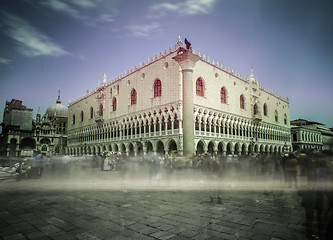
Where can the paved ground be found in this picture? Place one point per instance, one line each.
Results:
(92, 204)
(112, 205)
(112, 214)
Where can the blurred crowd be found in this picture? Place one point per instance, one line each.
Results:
(310, 174)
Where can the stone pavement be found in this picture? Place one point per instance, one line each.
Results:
(64, 213)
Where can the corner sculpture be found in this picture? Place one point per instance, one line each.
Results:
(182, 49)
(188, 44)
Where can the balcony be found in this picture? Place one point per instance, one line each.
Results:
(99, 118)
(257, 117)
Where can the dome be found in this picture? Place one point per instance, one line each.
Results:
(57, 110)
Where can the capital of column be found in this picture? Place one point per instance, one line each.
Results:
(186, 60)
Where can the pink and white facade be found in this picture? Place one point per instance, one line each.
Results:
(179, 100)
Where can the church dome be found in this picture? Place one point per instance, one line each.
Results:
(57, 109)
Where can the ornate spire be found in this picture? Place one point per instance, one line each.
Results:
(104, 79)
(58, 100)
(180, 43)
(38, 115)
(251, 77)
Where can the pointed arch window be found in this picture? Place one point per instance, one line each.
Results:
(73, 119)
(157, 88)
(276, 116)
(133, 96)
(242, 101)
(223, 95)
(255, 109)
(101, 109)
(91, 113)
(114, 104)
(285, 119)
(265, 109)
(200, 87)
(81, 116)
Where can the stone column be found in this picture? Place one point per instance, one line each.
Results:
(186, 59)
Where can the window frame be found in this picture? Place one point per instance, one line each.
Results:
(91, 112)
(133, 96)
(242, 101)
(265, 109)
(223, 95)
(200, 88)
(157, 88)
(114, 104)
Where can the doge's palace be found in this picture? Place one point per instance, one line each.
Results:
(179, 100)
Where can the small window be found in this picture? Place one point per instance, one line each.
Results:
(100, 113)
(73, 119)
(223, 95)
(200, 87)
(242, 101)
(91, 113)
(133, 96)
(157, 88)
(114, 104)
(265, 109)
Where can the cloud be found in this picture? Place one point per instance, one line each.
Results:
(90, 11)
(31, 41)
(183, 8)
(144, 30)
(4, 60)
(63, 7)
(84, 3)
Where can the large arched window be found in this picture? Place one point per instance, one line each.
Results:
(200, 87)
(223, 95)
(91, 113)
(73, 119)
(81, 116)
(265, 109)
(157, 88)
(285, 119)
(276, 116)
(242, 101)
(114, 104)
(133, 96)
(255, 109)
(101, 109)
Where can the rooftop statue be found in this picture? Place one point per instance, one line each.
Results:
(188, 44)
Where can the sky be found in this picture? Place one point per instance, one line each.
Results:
(69, 44)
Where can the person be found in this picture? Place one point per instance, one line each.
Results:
(307, 195)
(24, 170)
(291, 170)
(253, 164)
(154, 167)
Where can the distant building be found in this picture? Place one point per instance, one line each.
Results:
(311, 135)
(17, 130)
(179, 101)
(24, 136)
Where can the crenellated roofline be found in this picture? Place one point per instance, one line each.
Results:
(165, 53)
